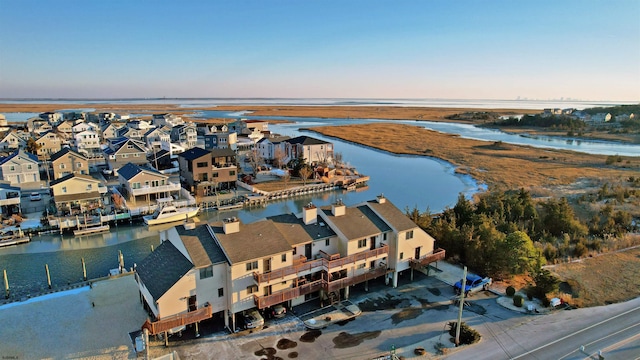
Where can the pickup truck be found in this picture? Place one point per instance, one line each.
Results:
(473, 284)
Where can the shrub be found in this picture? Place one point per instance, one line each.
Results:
(510, 291)
(518, 301)
(546, 302)
(467, 334)
(531, 292)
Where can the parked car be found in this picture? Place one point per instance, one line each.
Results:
(107, 171)
(473, 284)
(252, 319)
(278, 311)
(35, 196)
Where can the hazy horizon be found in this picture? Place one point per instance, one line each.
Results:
(496, 50)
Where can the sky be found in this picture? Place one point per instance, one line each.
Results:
(437, 49)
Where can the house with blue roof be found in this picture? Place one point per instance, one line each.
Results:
(141, 184)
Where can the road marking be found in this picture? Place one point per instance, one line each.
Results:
(575, 333)
(604, 337)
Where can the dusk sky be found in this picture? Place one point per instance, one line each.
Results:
(584, 49)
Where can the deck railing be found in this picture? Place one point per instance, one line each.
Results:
(327, 265)
(438, 254)
(178, 320)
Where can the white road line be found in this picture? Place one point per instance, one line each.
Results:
(575, 333)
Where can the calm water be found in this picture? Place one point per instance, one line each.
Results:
(407, 181)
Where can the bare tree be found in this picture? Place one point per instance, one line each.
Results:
(337, 158)
(278, 157)
(285, 178)
(255, 160)
(304, 173)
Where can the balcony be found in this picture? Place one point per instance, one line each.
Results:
(328, 263)
(177, 320)
(10, 201)
(287, 294)
(155, 189)
(328, 286)
(438, 254)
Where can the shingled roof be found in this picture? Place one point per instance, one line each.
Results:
(202, 248)
(256, 240)
(392, 215)
(162, 269)
(357, 222)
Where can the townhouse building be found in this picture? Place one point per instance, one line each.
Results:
(224, 269)
(76, 195)
(19, 167)
(49, 143)
(204, 171)
(67, 161)
(145, 185)
(122, 151)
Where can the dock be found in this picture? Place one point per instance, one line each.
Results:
(14, 239)
(91, 230)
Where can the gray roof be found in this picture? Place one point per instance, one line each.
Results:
(222, 152)
(201, 246)
(306, 140)
(392, 215)
(65, 151)
(254, 241)
(357, 222)
(162, 269)
(194, 153)
(23, 154)
(297, 233)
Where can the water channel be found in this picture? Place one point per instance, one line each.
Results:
(407, 181)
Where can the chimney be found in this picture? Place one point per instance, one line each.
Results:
(231, 225)
(338, 208)
(309, 214)
(381, 199)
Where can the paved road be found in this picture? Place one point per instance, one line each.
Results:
(614, 329)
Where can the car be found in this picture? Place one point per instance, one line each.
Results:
(107, 171)
(35, 196)
(252, 319)
(474, 283)
(278, 311)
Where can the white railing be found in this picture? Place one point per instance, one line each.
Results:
(155, 189)
(10, 201)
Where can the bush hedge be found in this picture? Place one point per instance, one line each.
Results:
(510, 291)
(518, 300)
(467, 334)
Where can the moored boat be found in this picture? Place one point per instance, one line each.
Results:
(169, 213)
(16, 237)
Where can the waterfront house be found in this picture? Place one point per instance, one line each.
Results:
(219, 137)
(144, 184)
(284, 259)
(51, 117)
(274, 145)
(67, 161)
(246, 127)
(169, 120)
(155, 137)
(49, 143)
(76, 194)
(84, 126)
(124, 150)
(311, 149)
(20, 167)
(204, 171)
(9, 199)
(14, 140)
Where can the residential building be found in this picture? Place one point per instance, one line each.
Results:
(19, 167)
(144, 184)
(67, 161)
(49, 143)
(14, 140)
(88, 142)
(155, 137)
(311, 149)
(110, 130)
(205, 171)
(246, 127)
(76, 194)
(65, 128)
(185, 135)
(272, 146)
(52, 118)
(227, 268)
(122, 151)
(170, 120)
(9, 199)
(221, 140)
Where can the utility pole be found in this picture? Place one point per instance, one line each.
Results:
(462, 291)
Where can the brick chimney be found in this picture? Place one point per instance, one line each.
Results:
(309, 214)
(231, 225)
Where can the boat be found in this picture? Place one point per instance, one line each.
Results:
(12, 237)
(168, 213)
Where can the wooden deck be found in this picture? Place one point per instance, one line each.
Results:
(174, 321)
(438, 254)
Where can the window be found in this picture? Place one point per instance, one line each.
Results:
(220, 292)
(79, 165)
(361, 266)
(215, 175)
(29, 166)
(13, 168)
(252, 266)
(252, 289)
(202, 164)
(64, 189)
(295, 251)
(232, 173)
(207, 273)
(326, 242)
(409, 234)
(62, 166)
(135, 185)
(384, 236)
(401, 255)
(362, 243)
(89, 186)
(284, 257)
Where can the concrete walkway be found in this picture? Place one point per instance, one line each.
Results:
(342, 311)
